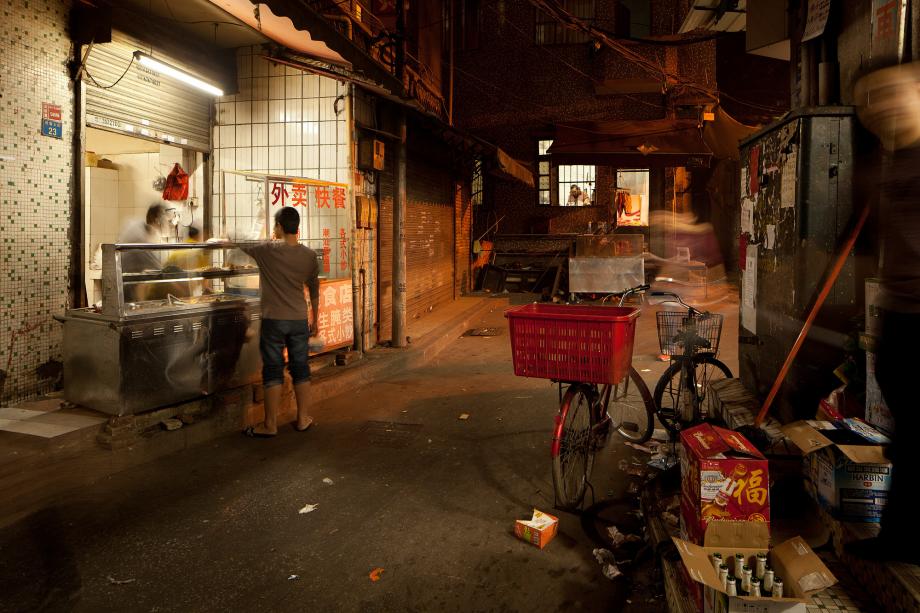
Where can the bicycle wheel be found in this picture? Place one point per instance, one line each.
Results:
(675, 404)
(632, 408)
(573, 449)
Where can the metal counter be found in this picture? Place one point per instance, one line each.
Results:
(125, 366)
(177, 343)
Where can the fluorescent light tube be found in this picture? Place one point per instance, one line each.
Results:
(179, 75)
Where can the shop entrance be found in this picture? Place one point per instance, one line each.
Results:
(124, 176)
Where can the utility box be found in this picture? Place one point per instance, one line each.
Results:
(796, 209)
(371, 154)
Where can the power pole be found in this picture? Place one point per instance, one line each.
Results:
(400, 202)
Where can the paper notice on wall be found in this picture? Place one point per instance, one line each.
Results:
(789, 179)
(749, 291)
(744, 181)
(747, 216)
(770, 241)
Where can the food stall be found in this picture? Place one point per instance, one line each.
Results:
(172, 326)
(181, 320)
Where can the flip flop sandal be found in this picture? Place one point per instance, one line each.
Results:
(305, 428)
(251, 433)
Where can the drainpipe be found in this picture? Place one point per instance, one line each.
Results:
(78, 145)
(349, 26)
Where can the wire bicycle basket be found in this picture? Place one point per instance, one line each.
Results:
(676, 327)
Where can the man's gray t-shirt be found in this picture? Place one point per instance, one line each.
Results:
(283, 271)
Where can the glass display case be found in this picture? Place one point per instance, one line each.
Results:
(176, 321)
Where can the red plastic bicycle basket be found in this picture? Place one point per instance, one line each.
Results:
(572, 342)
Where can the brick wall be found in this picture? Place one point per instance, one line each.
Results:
(511, 92)
(35, 189)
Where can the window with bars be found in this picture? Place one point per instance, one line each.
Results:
(476, 183)
(544, 179)
(549, 31)
(576, 184)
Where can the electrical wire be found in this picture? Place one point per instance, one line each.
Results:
(96, 83)
(526, 36)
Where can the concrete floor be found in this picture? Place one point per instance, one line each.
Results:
(430, 499)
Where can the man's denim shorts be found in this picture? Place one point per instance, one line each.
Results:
(277, 334)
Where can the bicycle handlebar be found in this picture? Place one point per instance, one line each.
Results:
(677, 299)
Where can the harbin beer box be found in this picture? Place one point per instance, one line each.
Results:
(846, 465)
(723, 477)
(803, 573)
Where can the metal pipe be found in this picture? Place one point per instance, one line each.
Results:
(346, 20)
(78, 247)
(803, 334)
(450, 89)
(357, 242)
(399, 239)
(400, 55)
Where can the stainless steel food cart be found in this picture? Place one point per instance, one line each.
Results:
(167, 331)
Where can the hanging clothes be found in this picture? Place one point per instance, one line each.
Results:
(176, 184)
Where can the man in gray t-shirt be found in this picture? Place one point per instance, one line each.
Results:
(285, 268)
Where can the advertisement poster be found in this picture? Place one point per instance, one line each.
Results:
(336, 314)
(749, 291)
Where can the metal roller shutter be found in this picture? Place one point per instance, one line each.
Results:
(429, 243)
(144, 103)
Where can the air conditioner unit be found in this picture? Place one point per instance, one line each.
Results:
(371, 154)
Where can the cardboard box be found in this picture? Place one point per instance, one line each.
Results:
(877, 412)
(539, 530)
(802, 572)
(723, 477)
(850, 476)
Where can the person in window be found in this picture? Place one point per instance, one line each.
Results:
(576, 197)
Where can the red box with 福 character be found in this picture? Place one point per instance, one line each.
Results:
(723, 477)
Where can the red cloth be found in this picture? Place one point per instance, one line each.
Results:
(176, 184)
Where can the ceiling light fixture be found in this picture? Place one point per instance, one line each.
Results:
(176, 73)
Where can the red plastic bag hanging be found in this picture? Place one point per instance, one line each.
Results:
(176, 184)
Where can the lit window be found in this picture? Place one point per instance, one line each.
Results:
(631, 198)
(576, 185)
(476, 186)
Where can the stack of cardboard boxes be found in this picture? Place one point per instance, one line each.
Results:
(723, 477)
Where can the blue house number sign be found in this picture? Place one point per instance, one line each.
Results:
(51, 121)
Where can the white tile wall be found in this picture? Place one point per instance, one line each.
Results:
(35, 188)
(283, 121)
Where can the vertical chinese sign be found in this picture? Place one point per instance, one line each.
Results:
(325, 219)
(886, 40)
(336, 317)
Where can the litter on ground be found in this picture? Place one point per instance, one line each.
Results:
(608, 563)
(115, 581)
(375, 574)
(308, 509)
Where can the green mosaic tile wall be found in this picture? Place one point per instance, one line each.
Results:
(35, 189)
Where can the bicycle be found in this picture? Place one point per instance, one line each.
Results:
(691, 339)
(588, 348)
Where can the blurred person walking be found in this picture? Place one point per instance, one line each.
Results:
(888, 104)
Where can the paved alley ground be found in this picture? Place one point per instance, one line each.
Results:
(399, 483)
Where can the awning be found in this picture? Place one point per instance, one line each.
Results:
(631, 144)
(724, 134)
(495, 161)
(512, 168)
(316, 28)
